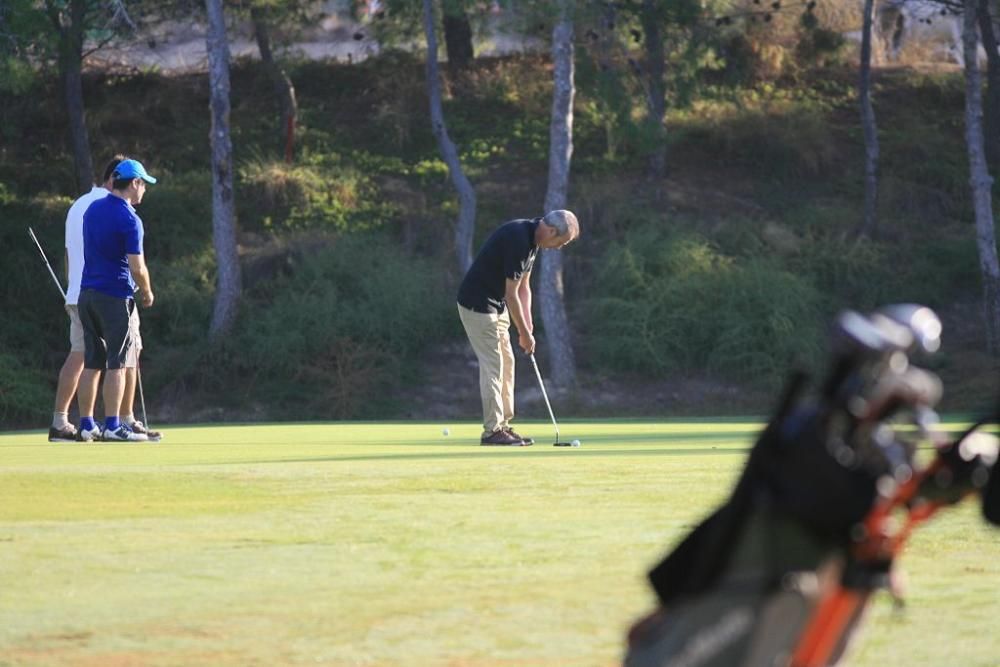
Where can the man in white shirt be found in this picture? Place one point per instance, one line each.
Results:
(69, 375)
(61, 429)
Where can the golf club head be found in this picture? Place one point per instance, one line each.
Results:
(856, 336)
(922, 323)
(856, 347)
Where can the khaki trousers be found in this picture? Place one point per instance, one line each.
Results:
(490, 338)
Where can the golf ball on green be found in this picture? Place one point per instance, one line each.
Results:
(575, 443)
(446, 431)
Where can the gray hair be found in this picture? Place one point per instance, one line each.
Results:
(563, 221)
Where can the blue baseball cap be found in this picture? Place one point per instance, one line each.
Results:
(132, 169)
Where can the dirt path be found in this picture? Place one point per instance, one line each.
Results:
(179, 46)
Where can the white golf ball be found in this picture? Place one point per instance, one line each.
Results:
(446, 432)
(575, 443)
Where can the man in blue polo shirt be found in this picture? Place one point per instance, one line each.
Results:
(496, 290)
(114, 269)
(69, 375)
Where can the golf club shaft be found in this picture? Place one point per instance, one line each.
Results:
(45, 259)
(142, 397)
(541, 385)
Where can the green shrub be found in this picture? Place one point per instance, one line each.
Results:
(667, 303)
(177, 214)
(818, 45)
(859, 274)
(340, 329)
(185, 289)
(31, 302)
(270, 190)
(770, 131)
(321, 194)
(937, 272)
(25, 393)
(509, 85)
(17, 77)
(18, 81)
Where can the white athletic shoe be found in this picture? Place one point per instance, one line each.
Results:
(92, 435)
(124, 434)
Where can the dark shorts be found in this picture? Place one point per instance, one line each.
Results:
(110, 331)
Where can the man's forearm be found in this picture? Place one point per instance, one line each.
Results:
(516, 308)
(141, 278)
(524, 293)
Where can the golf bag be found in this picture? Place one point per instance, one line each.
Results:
(781, 573)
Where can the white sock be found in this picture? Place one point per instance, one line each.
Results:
(60, 419)
(127, 419)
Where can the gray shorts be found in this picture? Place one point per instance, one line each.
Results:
(110, 331)
(75, 328)
(133, 324)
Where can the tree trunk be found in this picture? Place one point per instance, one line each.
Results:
(656, 106)
(283, 87)
(71, 66)
(991, 111)
(981, 181)
(868, 125)
(553, 310)
(228, 281)
(457, 35)
(465, 225)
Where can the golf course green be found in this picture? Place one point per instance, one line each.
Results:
(395, 544)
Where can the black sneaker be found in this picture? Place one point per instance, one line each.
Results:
(65, 434)
(502, 438)
(527, 441)
(139, 427)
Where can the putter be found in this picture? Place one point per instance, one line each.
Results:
(541, 385)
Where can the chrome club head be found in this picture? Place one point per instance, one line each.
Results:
(922, 322)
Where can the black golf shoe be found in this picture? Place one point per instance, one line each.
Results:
(139, 427)
(527, 441)
(65, 434)
(502, 438)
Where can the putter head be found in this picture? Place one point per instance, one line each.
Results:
(562, 444)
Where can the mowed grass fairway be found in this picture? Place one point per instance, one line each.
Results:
(391, 544)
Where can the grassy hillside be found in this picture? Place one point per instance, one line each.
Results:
(722, 275)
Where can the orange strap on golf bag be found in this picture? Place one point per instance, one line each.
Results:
(837, 613)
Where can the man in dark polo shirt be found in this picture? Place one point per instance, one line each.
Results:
(495, 291)
(114, 269)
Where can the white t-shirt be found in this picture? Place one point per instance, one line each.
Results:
(74, 241)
